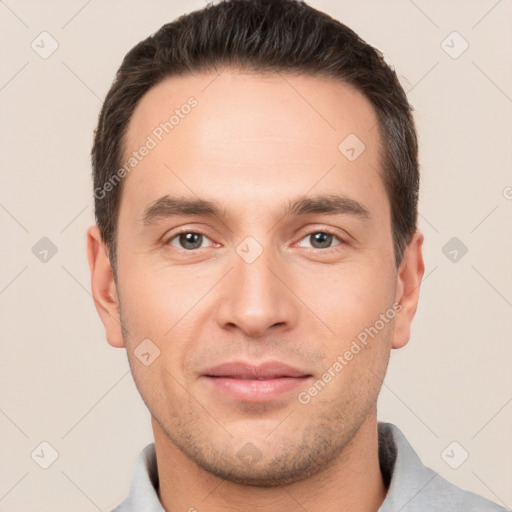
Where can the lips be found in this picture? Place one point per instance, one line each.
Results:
(263, 371)
(255, 383)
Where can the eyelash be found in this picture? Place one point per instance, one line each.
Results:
(323, 230)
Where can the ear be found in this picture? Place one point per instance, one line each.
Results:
(409, 276)
(103, 286)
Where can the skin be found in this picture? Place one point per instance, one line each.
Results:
(251, 145)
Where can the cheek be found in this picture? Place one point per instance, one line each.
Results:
(157, 299)
(350, 299)
(168, 307)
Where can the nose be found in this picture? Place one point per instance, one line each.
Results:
(257, 297)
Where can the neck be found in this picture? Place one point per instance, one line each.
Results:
(353, 482)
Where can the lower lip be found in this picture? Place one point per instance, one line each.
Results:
(256, 390)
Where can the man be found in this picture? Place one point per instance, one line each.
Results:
(256, 252)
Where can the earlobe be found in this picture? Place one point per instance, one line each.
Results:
(103, 286)
(409, 279)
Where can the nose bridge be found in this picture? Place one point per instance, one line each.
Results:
(256, 299)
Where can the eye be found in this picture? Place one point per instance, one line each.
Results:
(188, 240)
(320, 240)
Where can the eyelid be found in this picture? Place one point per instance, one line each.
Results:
(168, 238)
(326, 230)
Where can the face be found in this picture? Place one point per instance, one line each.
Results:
(255, 258)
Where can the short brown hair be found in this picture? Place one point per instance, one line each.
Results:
(266, 36)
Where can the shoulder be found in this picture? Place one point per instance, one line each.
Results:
(143, 495)
(413, 487)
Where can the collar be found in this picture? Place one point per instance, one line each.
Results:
(412, 487)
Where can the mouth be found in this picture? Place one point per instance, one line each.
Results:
(255, 383)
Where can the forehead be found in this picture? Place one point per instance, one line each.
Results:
(239, 134)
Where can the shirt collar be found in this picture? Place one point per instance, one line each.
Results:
(409, 482)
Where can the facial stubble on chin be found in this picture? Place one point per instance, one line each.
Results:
(322, 442)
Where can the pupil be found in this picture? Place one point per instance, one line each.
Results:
(191, 240)
(321, 240)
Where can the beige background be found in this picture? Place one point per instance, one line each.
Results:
(60, 382)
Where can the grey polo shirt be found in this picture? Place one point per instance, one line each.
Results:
(412, 487)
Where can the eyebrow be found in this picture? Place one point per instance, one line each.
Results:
(168, 206)
(330, 204)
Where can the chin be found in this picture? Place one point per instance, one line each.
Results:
(267, 475)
